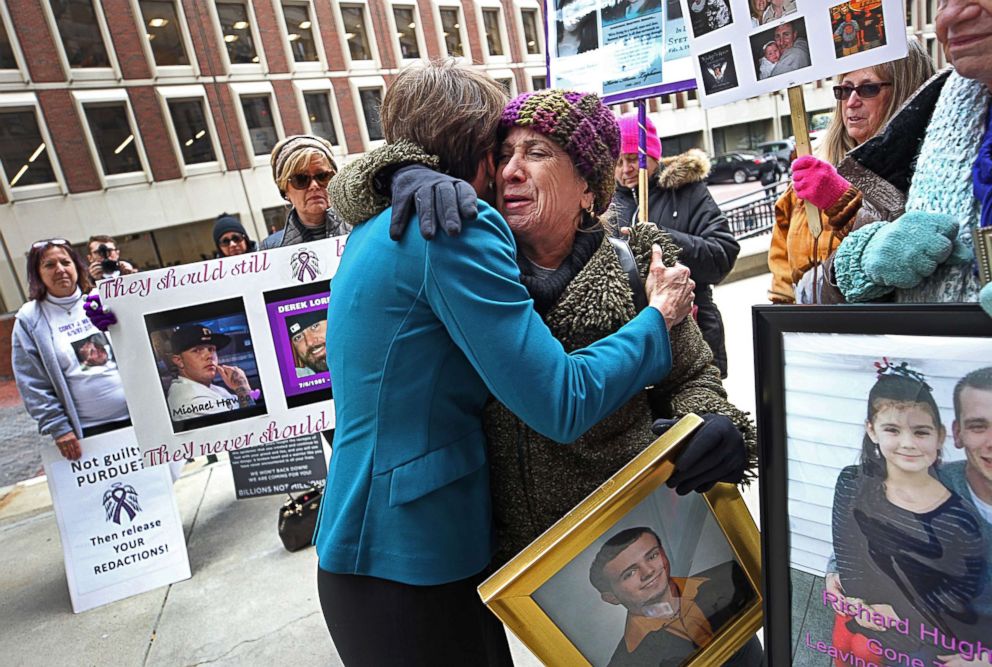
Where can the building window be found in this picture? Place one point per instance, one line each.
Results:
(909, 13)
(406, 31)
(79, 30)
(666, 99)
(451, 27)
(261, 125)
(354, 31)
(506, 85)
(690, 94)
(494, 40)
(113, 137)
(7, 60)
(539, 82)
(299, 28)
(23, 152)
(319, 112)
(236, 28)
(531, 36)
(192, 131)
(931, 11)
(163, 32)
(371, 101)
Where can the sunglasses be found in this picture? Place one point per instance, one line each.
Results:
(865, 91)
(44, 244)
(232, 240)
(302, 181)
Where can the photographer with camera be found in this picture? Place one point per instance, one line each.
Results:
(105, 259)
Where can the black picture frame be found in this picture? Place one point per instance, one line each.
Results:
(770, 323)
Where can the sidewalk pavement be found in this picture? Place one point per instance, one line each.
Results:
(249, 602)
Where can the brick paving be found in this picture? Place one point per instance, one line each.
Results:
(20, 443)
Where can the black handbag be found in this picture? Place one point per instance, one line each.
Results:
(298, 519)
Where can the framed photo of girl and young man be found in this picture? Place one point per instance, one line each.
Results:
(876, 430)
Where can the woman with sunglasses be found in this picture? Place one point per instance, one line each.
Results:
(67, 398)
(866, 99)
(231, 238)
(302, 168)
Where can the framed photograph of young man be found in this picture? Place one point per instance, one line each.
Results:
(876, 483)
(637, 574)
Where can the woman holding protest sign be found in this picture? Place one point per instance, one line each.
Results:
(933, 167)
(63, 366)
(866, 100)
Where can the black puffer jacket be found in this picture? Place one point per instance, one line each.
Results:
(680, 203)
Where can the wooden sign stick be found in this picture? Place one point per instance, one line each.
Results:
(797, 105)
(642, 162)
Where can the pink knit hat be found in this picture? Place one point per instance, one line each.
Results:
(628, 135)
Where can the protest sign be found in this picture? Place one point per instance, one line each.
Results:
(279, 467)
(227, 353)
(621, 50)
(118, 521)
(742, 48)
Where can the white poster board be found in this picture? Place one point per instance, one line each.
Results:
(264, 316)
(622, 50)
(742, 48)
(118, 521)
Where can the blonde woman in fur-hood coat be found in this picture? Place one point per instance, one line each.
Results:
(680, 204)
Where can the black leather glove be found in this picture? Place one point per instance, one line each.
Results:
(714, 453)
(441, 200)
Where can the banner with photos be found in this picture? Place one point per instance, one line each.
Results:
(118, 521)
(227, 353)
(742, 48)
(622, 50)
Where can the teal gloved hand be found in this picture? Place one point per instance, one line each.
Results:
(985, 299)
(909, 249)
(962, 254)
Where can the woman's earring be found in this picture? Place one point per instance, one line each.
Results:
(878, 451)
(591, 208)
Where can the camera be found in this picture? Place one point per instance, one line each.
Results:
(107, 265)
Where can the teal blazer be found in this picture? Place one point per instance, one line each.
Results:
(419, 334)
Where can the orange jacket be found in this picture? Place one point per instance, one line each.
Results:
(791, 252)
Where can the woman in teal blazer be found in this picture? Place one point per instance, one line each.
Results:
(419, 334)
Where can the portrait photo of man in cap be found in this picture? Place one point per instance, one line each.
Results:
(192, 392)
(308, 333)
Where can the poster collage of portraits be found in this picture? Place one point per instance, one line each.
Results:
(236, 347)
(886, 440)
(619, 49)
(742, 48)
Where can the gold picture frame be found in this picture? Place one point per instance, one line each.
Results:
(510, 592)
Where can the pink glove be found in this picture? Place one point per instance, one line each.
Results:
(817, 181)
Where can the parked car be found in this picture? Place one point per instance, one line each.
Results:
(782, 150)
(740, 166)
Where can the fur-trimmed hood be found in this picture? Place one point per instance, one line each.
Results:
(677, 171)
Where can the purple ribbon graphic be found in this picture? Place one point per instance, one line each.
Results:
(120, 498)
(304, 259)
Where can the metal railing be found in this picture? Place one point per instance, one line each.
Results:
(753, 214)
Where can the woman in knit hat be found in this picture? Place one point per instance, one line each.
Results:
(679, 203)
(424, 331)
(554, 181)
(231, 238)
(302, 168)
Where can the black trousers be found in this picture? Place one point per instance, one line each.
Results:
(378, 622)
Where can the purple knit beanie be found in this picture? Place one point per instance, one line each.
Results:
(581, 125)
(628, 135)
